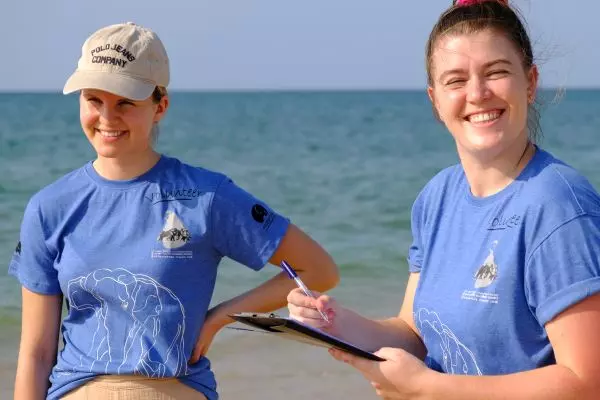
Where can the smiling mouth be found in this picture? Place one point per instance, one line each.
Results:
(110, 134)
(484, 117)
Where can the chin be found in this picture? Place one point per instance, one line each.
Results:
(106, 153)
(485, 139)
(482, 146)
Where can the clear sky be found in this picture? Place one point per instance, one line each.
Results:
(282, 44)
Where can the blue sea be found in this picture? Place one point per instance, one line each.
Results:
(344, 166)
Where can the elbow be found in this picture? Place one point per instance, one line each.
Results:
(329, 283)
(584, 386)
(590, 389)
(334, 279)
(328, 277)
(44, 357)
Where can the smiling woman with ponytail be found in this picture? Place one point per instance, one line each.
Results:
(503, 297)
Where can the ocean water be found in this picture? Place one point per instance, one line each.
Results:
(344, 166)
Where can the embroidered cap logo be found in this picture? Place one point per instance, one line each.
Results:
(124, 59)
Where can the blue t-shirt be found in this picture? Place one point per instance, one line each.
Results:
(136, 262)
(495, 270)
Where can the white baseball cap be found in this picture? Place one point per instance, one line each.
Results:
(124, 59)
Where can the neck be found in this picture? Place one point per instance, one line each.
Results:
(125, 168)
(490, 176)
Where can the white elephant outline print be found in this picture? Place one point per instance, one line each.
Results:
(137, 308)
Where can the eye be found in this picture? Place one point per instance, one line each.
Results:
(93, 99)
(456, 82)
(126, 103)
(497, 73)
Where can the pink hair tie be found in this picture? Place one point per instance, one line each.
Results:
(462, 3)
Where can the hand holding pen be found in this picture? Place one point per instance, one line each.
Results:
(293, 275)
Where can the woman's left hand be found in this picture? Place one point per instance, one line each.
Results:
(212, 324)
(401, 376)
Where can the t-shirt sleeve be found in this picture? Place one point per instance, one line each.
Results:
(32, 262)
(565, 268)
(415, 252)
(244, 228)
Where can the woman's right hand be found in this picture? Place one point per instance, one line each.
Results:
(306, 310)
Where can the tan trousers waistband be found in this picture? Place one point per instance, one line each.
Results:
(133, 387)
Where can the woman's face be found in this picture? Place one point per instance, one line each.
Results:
(118, 127)
(482, 92)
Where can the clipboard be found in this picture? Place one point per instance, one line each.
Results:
(288, 328)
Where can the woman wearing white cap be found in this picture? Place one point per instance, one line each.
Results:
(132, 242)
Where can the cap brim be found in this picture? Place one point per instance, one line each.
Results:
(121, 85)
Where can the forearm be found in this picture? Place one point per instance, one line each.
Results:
(272, 294)
(554, 382)
(40, 323)
(31, 381)
(373, 334)
(269, 296)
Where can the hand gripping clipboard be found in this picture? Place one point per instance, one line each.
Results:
(294, 330)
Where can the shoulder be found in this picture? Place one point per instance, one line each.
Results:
(437, 188)
(559, 189)
(61, 192)
(46, 208)
(556, 197)
(182, 174)
(436, 196)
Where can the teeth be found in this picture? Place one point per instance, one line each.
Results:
(110, 133)
(484, 117)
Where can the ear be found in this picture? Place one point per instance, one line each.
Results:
(161, 109)
(431, 94)
(532, 83)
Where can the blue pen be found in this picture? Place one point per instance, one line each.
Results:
(293, 275)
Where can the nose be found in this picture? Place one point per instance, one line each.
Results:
(108, 113)
(477, 90)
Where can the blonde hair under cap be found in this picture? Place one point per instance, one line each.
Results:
(124, 59)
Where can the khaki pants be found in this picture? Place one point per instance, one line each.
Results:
(133, 387)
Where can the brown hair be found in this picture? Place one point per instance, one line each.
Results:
(486, 14)
(159, 93)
